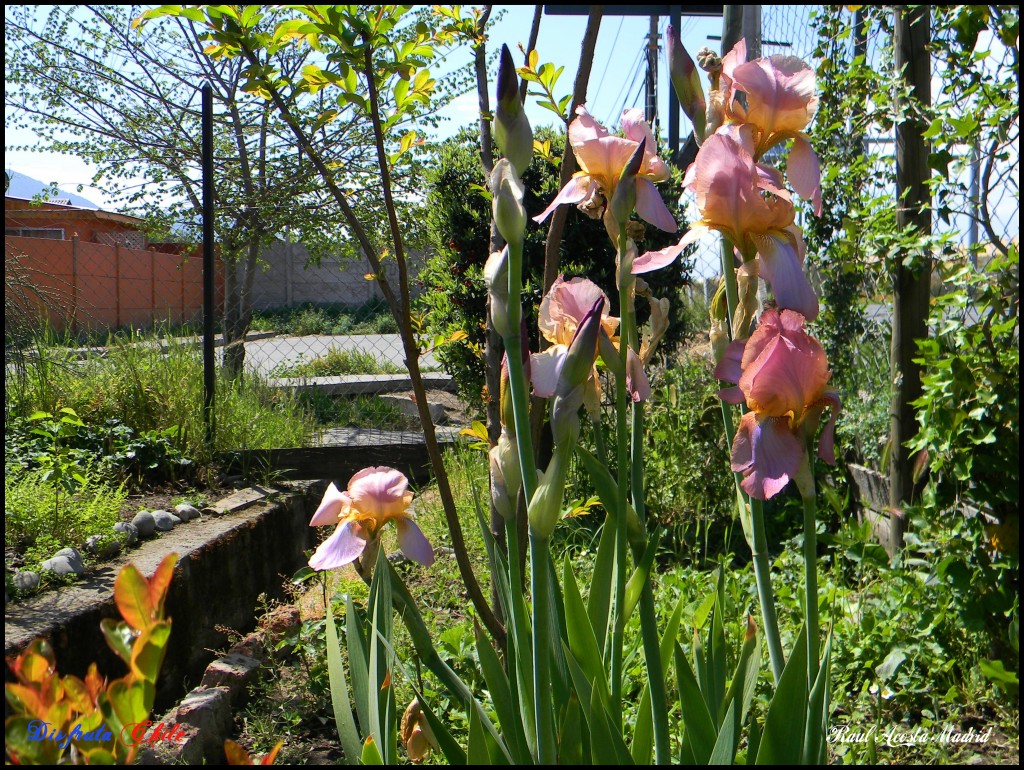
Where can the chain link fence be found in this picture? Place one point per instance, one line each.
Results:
(322, 331)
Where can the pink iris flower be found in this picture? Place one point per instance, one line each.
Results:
(561, 312)
(781, 373)
(744, 201)
(374, 497)
(781, 100)
(602, 157)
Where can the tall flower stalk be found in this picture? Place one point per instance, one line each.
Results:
(780, 371)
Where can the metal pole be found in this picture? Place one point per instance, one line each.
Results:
(209, 362)
(732, 27)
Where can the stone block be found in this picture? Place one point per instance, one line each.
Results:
(408, 407)
(185, 749)
(186, 512)
(144, 523)
(208, 709)
(165, 521)
(235, 672)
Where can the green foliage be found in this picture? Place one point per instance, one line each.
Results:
(143, 404)
(847, 244)
(117, 450)
(34, 522)
(374, 317)
(338, 362)
(969, 411)
(361, 411)
(862, 430)
(457, 215)
(687, 481)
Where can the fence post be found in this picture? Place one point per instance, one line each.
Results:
(117, 285)
(912, 279)
(74, 283)
(209, 382)
(152, 288)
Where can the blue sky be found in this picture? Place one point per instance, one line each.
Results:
(616, 82)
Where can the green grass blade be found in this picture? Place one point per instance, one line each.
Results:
(725, 747)
(641, 575)
(600, 598)
(501, 698)
(358, 662)
(700, 735)
(816, 727)
(380, 690)
(582, 640)
(347, 733)
(783, 737)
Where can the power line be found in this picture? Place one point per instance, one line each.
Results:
(627, 85)
(615, 42)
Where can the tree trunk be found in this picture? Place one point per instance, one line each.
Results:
(912, 279)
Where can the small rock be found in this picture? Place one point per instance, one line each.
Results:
(26, 581)
(144, 524)
(165, 521)
(186, 512)
(102, 547)
(67, 561)
(128, 531)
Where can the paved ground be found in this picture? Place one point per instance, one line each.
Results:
(263, 355)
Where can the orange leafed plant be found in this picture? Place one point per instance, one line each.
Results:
(236, 755)
(52, 715)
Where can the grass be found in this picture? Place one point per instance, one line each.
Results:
(373, 317)
(140, 386)
(337, 363)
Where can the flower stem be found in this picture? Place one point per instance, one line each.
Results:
(629, 338)
(753, 527)
(542, 644)
(518, 386)
(622, 476)
(805, 483)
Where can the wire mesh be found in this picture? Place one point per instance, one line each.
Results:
(321, 331)
(324, 330)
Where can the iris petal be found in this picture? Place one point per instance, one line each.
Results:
(341, 548)
(413, 542)
(767, 452)
(334, 503)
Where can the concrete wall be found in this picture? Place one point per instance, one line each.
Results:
(286, 281)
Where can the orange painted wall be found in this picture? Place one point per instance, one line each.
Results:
(92, 286)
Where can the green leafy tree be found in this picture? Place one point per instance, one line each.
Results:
(125, 99)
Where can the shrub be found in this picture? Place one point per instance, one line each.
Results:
(969, 410)
(373, 317)
(687, 478)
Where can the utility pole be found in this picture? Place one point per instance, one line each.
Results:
(651, 84)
